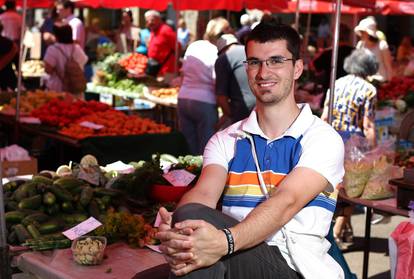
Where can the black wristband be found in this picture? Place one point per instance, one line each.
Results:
(230, 241)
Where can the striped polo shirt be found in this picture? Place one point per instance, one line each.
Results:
(309, 142)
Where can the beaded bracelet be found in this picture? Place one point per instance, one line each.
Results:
(230, 241)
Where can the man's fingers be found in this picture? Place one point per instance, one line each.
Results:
(169, 235)
(165, 215)
(193, 224)
(185, 270)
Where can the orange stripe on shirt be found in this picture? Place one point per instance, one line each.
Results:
(270, 178)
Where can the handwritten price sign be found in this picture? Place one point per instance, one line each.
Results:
(179, 177)
(83, 228)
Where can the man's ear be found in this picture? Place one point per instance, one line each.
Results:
(298, 70)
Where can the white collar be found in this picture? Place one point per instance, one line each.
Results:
(298, 127)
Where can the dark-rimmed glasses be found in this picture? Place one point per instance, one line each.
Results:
(274, 62)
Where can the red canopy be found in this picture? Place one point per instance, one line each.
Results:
(33, 3)
(321, 7)
(387, 7)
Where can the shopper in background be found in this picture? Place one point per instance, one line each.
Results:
(48, 38)
(233, 93)
(367, 31)
(183, 34)
(197, 110)
(161, 45)
(8, 51)
(353, 113)
(144, 35)
(405, 50)
(11, 21)
(65, 9)
(126, 31)
(245, 28)
(58, 54)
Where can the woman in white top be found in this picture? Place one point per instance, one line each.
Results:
(367, 31)
(197, 109)
(57, 55)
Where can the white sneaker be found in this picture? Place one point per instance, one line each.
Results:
(380, 219)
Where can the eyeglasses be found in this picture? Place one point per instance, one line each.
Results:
(274, 62)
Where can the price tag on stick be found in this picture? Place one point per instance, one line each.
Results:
(179, 177)
(83, 228)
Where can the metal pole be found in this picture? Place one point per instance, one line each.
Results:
(334, 58)
(5, 271)
(177, 46)
(19, 73)
(297, 15)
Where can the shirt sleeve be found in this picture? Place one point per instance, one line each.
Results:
(222, 68)
(323, 152)
(214, 152)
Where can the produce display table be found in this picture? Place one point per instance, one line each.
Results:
(121, 262)
(387, 206)
(106, 149)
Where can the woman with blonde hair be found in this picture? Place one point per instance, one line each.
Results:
(197, 109)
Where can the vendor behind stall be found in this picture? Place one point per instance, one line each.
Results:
(161, 45)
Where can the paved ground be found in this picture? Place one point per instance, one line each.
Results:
(379, 261)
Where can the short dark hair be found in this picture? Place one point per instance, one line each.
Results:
(67, 4)
(361, 62)
(63, 33)
(271, 31)
(10, 5)
(129, 13)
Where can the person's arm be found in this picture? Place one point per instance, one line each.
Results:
(368, 120)
(223, 71)
(8, 57)
(369, 130)
(386, 54)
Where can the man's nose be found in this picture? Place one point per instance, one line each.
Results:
(263, 69)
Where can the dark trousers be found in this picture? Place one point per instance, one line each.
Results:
(262, 261)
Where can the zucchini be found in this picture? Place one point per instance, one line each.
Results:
(33, 231)
(25, 190)
(11, 205)
(14, 217)
(35, 218)
(101, 192)
(60, 193)
(86, 195)
(31, 203)
(49, 198)
(49, 227)
(22, 233)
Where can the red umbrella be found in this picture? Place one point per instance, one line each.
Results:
(387, 7)
(33, 3)
(321, 7)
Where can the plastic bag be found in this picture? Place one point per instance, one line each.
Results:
(358, 165)
(377, 186)
(403, 236)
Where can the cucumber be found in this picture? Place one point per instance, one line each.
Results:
(41, 245)
(49, 227)
(42, 179)
(14, 217)
(53, 209)
(31, 203)
(101, 192)
(35, 218)
(25, 190)
(12, 237)
(69, 183)
(60, 193)
(33, 231)
(86, 195)
(93, 209)
(11, 205)
(67, 207)
(49, 198)
(11, 186)
(22, 233)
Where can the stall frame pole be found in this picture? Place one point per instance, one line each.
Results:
(334, 59)
(5, 270)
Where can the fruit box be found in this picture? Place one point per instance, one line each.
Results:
(13, 168)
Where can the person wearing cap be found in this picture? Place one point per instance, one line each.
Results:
(197, 107)
(233, 93)
(368, 33)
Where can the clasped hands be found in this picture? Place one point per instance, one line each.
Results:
(191, 244)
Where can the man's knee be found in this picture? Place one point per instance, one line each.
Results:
(192, 211)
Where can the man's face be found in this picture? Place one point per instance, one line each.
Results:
(62, 12)
(272, 84)
(152, 22)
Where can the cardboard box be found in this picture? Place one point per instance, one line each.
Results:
(13, 168)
